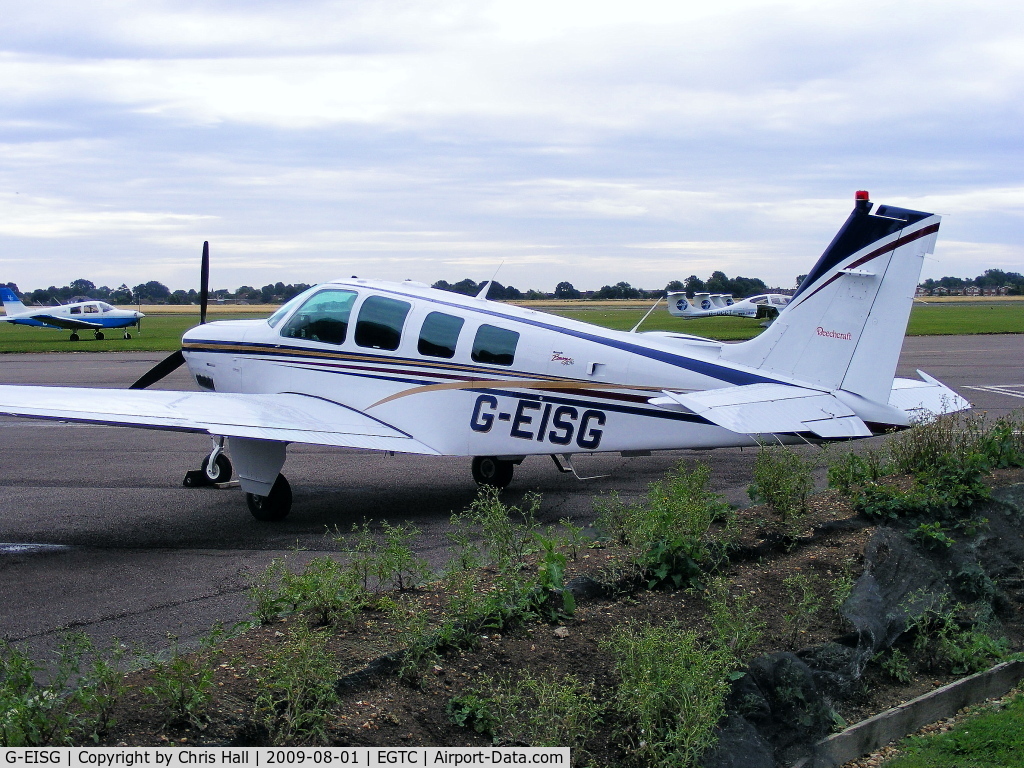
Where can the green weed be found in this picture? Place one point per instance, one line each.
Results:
(803, 604)
(296, 690)
(783, 480)
(671, 692)
(736, 622)
(182, 683)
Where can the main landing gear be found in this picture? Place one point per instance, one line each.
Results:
(268, 494)
(99, 335)
(275, 505)
(492, 471)
(74, 336)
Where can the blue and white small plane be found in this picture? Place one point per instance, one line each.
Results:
(402, 367)
(723, 305)
(95, 316)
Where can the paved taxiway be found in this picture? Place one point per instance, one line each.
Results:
(96, 532)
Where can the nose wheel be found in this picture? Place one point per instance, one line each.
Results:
(74, 337)
(275, 505)
(216, 468)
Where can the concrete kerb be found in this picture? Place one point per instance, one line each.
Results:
(893, 724)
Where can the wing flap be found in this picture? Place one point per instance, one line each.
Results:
(285, 417)
(763, 409)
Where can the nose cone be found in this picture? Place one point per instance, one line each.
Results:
(138, 315)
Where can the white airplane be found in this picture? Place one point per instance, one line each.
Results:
(722, 304)
(95, 316)
(402, 367)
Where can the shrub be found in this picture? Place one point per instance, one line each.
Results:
(669, 531)
(671, 692)
(530, 710)
(297, 688)
(182, 682)
(803, 604)
(783, 480)
(735, 621)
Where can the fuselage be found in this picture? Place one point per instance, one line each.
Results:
(715, 305)
(470, 376)
(91, 314)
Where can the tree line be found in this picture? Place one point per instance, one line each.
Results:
(155, 292)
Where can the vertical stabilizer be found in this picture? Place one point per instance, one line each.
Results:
(12, 304)
(845, 325)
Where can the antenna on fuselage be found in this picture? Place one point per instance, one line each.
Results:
(633, 329)
(482, 293)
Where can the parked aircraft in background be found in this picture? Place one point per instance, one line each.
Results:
(95, 316)
(403, 367)
(766, 305)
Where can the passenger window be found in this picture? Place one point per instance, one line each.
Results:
(495, 345)
(380, 322)
(76, 310)
(439, 335)
(323, 317)
(90, 309)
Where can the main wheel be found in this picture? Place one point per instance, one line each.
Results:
(274, 506)
(490, 470)
(99, 335)
(74, 337)
(127, 335)
(220, 472)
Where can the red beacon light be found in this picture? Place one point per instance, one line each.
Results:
(861, 195)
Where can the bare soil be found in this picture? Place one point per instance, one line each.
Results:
(383, 710)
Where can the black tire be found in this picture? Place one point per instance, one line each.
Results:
(221, 471)
(274, 506)
(490, 470)
(99, 335)
(74, 337)
(127, 335)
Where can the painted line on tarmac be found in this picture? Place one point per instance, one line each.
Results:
(30, 549)
(1000, 389)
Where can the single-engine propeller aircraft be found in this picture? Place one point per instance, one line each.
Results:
(402, 367)
(766, 305)
(95, 316)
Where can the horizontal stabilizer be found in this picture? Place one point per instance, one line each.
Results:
(285, 417)
(764, 409)
(922, 399)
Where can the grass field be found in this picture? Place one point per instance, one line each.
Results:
(163, 326)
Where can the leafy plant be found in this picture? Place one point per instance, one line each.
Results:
(530, 710)
(296, 691)
(669, 531)
(932, 536)
(265, 595)
(734, 619)
(329, 590)
(803, 604)
(554, 598)
(849, 470)
(574, 539)
(671, 692)
(783, 480)
(182, 682)
(896, 665)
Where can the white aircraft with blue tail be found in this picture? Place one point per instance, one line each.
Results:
(401, 367)
(764, 305)
(95, 316)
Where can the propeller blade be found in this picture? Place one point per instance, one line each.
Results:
(204, 282)
(168, 365)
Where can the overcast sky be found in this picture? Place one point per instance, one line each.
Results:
(583, 141)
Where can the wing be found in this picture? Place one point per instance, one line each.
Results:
(60, 321)
(285, 417)
(763, 409)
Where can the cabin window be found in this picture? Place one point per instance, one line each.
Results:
(380, 322)
(75, 310)
(439, 335)
(496, 346)
(323, 317)
(288, 306)
(106, 307)
(91, 309)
